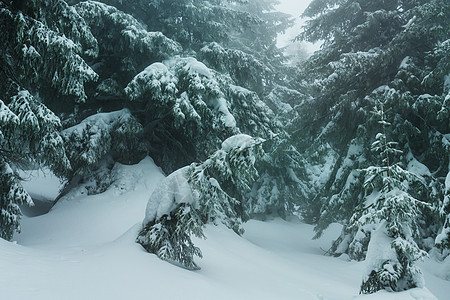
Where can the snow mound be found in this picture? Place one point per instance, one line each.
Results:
(170, 192)
(227, 118)
(240, 141)
(193, 66)
(90, 240)
(379, 250)
(33, 181)
(127, 178)
(412, 294)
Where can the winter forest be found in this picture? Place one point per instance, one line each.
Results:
(174, 150)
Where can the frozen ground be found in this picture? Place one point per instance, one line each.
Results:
(84, 249)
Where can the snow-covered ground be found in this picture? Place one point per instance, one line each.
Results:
(84, 248)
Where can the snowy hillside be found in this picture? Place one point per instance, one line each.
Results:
(84, 248)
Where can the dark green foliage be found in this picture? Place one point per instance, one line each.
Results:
(374, 50)
(242, 67)
(210, 192)
(127, 48)
(29, 135)
(395, 214)
(190, 22)
(12, 195)
(43, 59)
(169, 237)
(115, 136)
(184, 100)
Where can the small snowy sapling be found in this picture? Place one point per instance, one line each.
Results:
(392, 249)
(189, 198)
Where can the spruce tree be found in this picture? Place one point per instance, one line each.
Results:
(197, 93)
(368, 46)
(183, 99)
(12, 195)
(443, 239)
(394, 213)
(97, 142)
(127, 79)
(29, 136)
(41, 65)
(210, 192)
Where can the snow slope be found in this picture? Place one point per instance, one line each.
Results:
(84, 249)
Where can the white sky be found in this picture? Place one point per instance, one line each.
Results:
(294, 8)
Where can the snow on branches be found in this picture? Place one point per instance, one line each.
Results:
(209, 192)
(394, 213)
(29, 134)
(44, 56)
(115, 134)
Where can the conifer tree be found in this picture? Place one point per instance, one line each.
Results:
(183, 99)
(29, 135)
(97, 142)
(194, 95)
(12, 195)
(39, 55)
(367, 46)
(394, 213)
(189, 198)
(85, 61)
(190, 22)
(127, 48)
(41, 61)
(443, 238)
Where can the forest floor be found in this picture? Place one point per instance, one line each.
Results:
(84, 248)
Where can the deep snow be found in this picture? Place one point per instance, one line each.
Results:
(84, 248)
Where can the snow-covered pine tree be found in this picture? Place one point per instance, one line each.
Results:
(190, 22)
(41, 56)
(126, 49)
(394, 213)
(251, 56)
(183, 99)
(243, 67)
(277, 189)
(443, 238)
(12, 195)
(97, 142)
(252, 59)
(29, 135)
(369, 45)
(229, 36)
(189, 198)
(175, 106)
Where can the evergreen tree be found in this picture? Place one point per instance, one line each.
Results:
(87, 60)
(190, 22)
(369, 45)
(97, 142)
(43, 58)
(175, 106)
(184, 99)
(12, 195)
(189, 198)
(394, 213)
(41, 61)
(443, 238)
(126, 49)
(29, 134)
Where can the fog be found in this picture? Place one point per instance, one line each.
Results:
(296, 9)
(293, 7)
